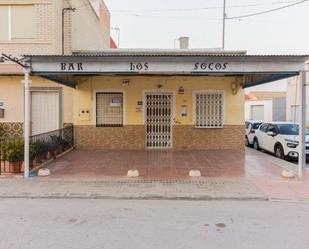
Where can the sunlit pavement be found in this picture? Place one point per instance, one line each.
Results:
(275, 186)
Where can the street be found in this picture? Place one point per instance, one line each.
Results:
(126, 224)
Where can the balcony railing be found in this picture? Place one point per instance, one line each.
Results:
(42, 148)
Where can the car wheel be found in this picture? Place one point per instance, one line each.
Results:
(256, 144)
(247, 142)
(279, 151)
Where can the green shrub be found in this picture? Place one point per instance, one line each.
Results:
(54, 143)
(14, 151)
(38, 149)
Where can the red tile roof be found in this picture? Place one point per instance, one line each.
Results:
(112, 43)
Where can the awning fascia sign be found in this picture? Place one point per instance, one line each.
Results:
(75, 65)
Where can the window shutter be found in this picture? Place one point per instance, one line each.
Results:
(22, 29)
(4, 23)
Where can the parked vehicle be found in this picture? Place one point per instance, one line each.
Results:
(251, 127)
(279, 138)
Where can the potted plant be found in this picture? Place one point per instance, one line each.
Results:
(42, 151)
(15, 156)
(33, 152)
(52, 147)
(59, 144)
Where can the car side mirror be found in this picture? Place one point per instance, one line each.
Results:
(271, 133)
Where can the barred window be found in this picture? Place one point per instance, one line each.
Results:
(109, 109)
(209, 109)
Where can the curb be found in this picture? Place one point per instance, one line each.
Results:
(145, 197)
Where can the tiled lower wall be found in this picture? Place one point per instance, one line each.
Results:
(14, 129)
(121, 138)
(185, 137)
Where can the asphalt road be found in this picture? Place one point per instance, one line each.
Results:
(126, 224)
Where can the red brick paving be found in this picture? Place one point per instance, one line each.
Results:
(261, 169)
(164, 164)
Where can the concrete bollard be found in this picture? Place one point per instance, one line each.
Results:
(133, 173)
(288, 174)
(44, 172)
(195, 173)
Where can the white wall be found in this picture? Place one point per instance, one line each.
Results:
(268, 108)
(293, 96)
(276, 86)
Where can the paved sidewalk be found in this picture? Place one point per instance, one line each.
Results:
(206, 189)
(260, 179)
(274, 186)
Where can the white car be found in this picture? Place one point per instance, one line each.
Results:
(279, 138)
(251, 127)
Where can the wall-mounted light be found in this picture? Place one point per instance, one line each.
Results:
(234, 88)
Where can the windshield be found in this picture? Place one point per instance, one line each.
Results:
(288, 129)
(255, 126)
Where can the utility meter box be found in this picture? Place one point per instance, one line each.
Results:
(84, 114)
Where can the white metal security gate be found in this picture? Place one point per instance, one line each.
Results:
(158, 120)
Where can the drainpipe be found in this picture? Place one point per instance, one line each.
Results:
(223, 23)
(63, 12)
(26, 83)
(302, 127)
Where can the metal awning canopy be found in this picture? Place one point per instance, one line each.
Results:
(257, 69)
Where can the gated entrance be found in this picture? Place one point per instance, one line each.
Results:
(158, 120)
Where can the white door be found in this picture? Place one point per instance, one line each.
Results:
(44, 111)
(158, 120)
(257, 112)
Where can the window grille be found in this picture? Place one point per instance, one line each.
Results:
(109, 109)
(209, 110)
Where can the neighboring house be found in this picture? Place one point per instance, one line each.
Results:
(113, 44)
(35, 27)
(265, 106)
(293, 110)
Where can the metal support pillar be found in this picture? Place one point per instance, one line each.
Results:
(302, 127)
(26, 82)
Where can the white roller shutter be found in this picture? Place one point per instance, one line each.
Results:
(257, 112)
(44, 111)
